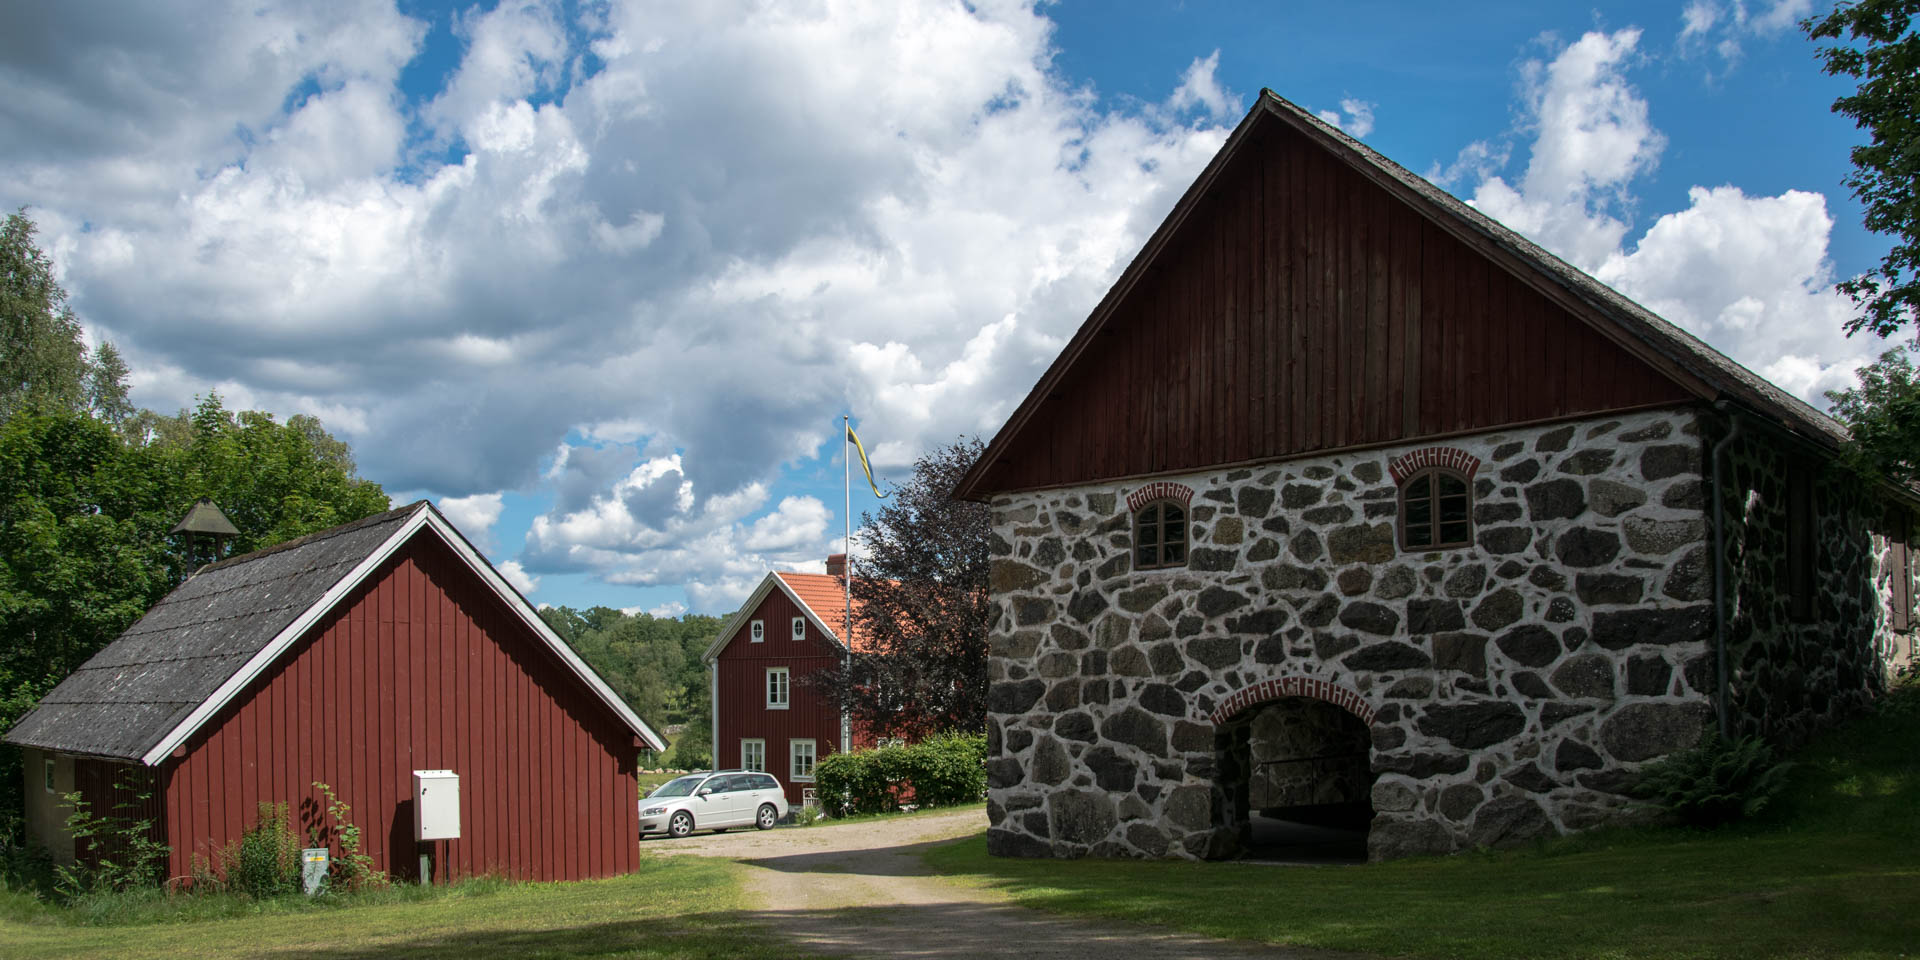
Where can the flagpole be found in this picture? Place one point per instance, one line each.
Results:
(846, 576)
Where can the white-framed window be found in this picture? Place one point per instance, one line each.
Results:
(757, 631)
(48, 774)
(799, 628)
(777, 688)
(753, 755)
(801, 755)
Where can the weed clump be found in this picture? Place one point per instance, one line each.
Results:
(1719, 781)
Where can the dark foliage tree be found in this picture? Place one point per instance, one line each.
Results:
(653, 663)
(921, 605)
(1876, 44)
(1883, 414)
(43, 363)
(90, 487)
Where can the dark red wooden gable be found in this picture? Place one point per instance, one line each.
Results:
(1301, 307)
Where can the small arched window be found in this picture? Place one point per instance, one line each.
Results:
(1160, 535)
(1436, 510)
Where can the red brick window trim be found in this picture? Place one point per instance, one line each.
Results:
(1455, 459)
(1281, 687)
(1177, 492)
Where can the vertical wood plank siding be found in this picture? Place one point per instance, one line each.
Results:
(422, 669)
(811, 712)
(1302, 308)
(112, 789)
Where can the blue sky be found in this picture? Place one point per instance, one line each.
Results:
(601, 278)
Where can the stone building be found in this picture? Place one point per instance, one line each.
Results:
(1348, 499)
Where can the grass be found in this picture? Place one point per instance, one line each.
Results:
(648, 781)
(980, 808)
(1832, 869)
(671, 909)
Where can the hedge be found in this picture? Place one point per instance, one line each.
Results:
(941, 771)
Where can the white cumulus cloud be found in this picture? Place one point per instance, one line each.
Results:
(1748, 274)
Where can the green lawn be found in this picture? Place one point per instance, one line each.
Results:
(1833, 870)
(648, 781)
(979, 808)
(673, 908)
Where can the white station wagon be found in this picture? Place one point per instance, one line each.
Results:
(714, 801)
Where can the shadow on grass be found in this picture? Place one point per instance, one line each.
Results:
(718, 934)
(944, 931)
(901, 860)
(1825, 895)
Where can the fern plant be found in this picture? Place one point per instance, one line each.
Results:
(1717, 782)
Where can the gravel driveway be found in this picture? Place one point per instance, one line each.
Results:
(860, 889)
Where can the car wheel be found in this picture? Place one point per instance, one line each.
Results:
(680, 825)
(766, 817)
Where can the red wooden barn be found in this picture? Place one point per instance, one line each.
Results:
(352, 657)
(765, 715)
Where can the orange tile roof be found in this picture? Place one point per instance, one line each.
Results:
(826, 596)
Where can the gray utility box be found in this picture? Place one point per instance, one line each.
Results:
(436, 805)
(314, 862)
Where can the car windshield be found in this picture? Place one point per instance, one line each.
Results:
(678, 787)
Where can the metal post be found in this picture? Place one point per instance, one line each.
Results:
(846, 580)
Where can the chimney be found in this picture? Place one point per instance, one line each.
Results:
(837, 566)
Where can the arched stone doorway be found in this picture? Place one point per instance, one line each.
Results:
(1296, 771)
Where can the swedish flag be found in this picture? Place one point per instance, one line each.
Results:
(864, 464)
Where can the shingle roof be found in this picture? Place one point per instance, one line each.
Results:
(202, 644)
(134, 692)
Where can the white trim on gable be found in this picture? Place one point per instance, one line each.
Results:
(741, 616)
(423, 516)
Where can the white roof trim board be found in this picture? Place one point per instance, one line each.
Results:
(424, 516)
(745, 613)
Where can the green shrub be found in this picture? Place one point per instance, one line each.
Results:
(1717, 782)
(265, 863)
(352, 869)
(944, 770)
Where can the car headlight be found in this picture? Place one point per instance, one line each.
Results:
(653, 811)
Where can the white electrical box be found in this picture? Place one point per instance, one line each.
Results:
(436, 805)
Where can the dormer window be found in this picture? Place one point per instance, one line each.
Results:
(1160, 535)
(1436, 510)
(799, 628)
(757, 631)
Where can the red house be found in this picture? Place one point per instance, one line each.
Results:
(765, 716)
(352, 657)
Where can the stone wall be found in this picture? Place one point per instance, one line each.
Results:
(1788, 678)
(1511, 687)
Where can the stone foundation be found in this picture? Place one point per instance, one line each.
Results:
(1510, 688)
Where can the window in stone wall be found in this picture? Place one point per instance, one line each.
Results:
(1160, 535)
(1436, 511)
(1801, 544)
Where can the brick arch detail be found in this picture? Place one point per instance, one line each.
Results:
(1294, 686)
(1451, 458)
(1162, 490)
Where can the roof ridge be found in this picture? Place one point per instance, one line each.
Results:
(312, 538)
